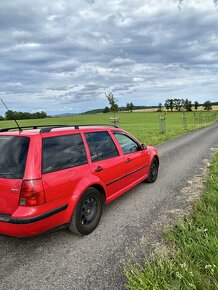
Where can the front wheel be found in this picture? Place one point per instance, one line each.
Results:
(87, 213)
(153, 172)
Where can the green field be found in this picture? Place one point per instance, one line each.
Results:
(143, 125)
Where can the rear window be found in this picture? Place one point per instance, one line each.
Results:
(13, 154)
(63, 152)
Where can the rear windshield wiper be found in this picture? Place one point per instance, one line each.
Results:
(6, 173)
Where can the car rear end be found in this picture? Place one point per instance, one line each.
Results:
(23, 207)
(13, 157)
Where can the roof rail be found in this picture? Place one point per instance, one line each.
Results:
(29, 127)
(48, 128)
(95, 125)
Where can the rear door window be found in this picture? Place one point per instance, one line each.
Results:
(63, 152)
(13, 154)
(101, 146)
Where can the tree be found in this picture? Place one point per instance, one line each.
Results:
(167, 104)
(182, 104)
(39, 115)
(207, 106)
(130, 107)
(176, 104)
(113, 102)
(106, 110)
(188, 105)
(171, 104)
(196, 105)
(24, 115)
(159, 109)
(11, 115)
(1, 118)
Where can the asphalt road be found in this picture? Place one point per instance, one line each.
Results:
(61, 260)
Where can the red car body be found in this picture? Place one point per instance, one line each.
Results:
(43, 198)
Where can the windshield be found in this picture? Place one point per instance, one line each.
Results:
(13, 154)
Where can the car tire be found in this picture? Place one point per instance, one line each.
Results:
(87, 212)
(153, 172)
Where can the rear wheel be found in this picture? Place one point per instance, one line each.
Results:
(153, 172)
(87, 213)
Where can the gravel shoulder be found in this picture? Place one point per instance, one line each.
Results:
(130, 228)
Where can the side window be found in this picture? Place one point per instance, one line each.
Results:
(101, 146)
(62, 152)
(126, 143)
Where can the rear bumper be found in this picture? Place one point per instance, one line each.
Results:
(30, 221)
(9, 219)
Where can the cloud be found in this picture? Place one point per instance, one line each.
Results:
(21, 36)
(215, 2)
(118, 62)
(66, 52)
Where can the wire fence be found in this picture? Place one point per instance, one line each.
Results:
(199, 120)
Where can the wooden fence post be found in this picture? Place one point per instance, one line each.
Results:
(162, 122)
(184, 121)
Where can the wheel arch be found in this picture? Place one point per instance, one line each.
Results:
(100, 189)
(157, 158)
(80, 222)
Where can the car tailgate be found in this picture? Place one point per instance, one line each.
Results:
(13, 157)
(9, 195)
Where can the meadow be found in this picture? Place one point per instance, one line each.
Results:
(143, 125)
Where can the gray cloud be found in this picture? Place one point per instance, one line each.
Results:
(62, 52)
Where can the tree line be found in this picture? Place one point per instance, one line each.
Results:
(11, 115)
(129, 107)
(183, 104)
(170, 105)
(114, 106)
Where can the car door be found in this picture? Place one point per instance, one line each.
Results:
(106, 162)
(64, 165)
(136, 158)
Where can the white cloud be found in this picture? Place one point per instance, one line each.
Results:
(119, 61)
(138, 79)
(21, 35)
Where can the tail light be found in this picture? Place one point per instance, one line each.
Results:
(32, 192)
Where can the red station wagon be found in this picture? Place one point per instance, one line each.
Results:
(64, 175)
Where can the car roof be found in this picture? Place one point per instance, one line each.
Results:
(34, 130)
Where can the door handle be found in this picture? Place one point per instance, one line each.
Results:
(128, 160)
(98, 169)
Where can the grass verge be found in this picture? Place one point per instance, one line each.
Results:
(193, 246)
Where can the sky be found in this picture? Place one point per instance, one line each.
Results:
(63, 56)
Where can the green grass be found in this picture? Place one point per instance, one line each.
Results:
(143, 125)
(194, 244)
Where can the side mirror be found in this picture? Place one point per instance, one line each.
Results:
(143, 147)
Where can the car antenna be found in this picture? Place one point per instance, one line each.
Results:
(13, 116)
